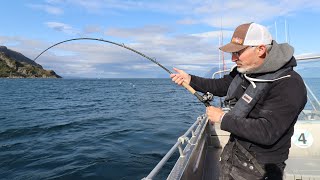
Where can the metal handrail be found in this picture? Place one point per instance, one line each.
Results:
(219, 72)
(307, 58)
(176, 146)
(313, 96)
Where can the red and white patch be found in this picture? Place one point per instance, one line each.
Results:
(247, 98)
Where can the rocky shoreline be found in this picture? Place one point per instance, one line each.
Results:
(15, 65)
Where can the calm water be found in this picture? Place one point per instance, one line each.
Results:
(90, 129)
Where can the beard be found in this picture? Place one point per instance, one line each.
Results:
(246, 70)
(241, 70)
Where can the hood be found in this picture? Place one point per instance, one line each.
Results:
(279, 56)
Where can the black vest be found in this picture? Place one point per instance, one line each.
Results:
(241, 107)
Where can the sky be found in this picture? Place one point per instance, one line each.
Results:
(177, 33)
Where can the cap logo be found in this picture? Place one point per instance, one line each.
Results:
(237, 40)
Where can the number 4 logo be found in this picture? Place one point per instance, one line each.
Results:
(302, 138)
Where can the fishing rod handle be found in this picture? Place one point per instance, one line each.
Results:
(188, 87)
(194, 92)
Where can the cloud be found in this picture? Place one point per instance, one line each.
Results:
(144, 33)
(141, 66)
(58, 26)
(47, 8)
(187, 21)
(213, 34)
(191, 67)
(92, 29)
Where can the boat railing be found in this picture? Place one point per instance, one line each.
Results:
(220, 72)
(313, 99)
(311, 112)
(185, 139)
(301, 58)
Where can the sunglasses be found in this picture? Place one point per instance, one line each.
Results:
(238, 53)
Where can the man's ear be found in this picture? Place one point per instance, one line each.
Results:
(262, 51)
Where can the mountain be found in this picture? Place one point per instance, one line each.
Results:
(15, 65)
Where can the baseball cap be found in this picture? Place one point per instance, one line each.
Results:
(250, 34)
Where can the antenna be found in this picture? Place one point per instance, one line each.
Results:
(222, 53)
(220, 45)
(219, 53)
(285, 29)
(288, 32)
(275, 25)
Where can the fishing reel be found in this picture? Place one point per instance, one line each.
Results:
(207, 97)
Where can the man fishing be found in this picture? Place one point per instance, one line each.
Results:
(265, 96)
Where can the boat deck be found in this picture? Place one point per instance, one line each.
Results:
(303, 168)
(300, 166)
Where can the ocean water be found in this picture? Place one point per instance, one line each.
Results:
(90, 128)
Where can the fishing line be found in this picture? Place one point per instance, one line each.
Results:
(204, 99)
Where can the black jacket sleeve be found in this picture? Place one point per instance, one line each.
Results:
(218, 87)
(273, 115)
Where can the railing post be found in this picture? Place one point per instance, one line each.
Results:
(180, 150)
(193, 133)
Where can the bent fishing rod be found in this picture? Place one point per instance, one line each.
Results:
(204, 99)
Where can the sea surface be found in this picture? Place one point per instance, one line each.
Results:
(91, 128)
(113, 129)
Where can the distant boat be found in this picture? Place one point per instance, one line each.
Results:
(200, 147)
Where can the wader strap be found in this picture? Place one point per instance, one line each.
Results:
(250, 157)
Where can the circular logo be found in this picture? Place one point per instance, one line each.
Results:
(302, 138)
